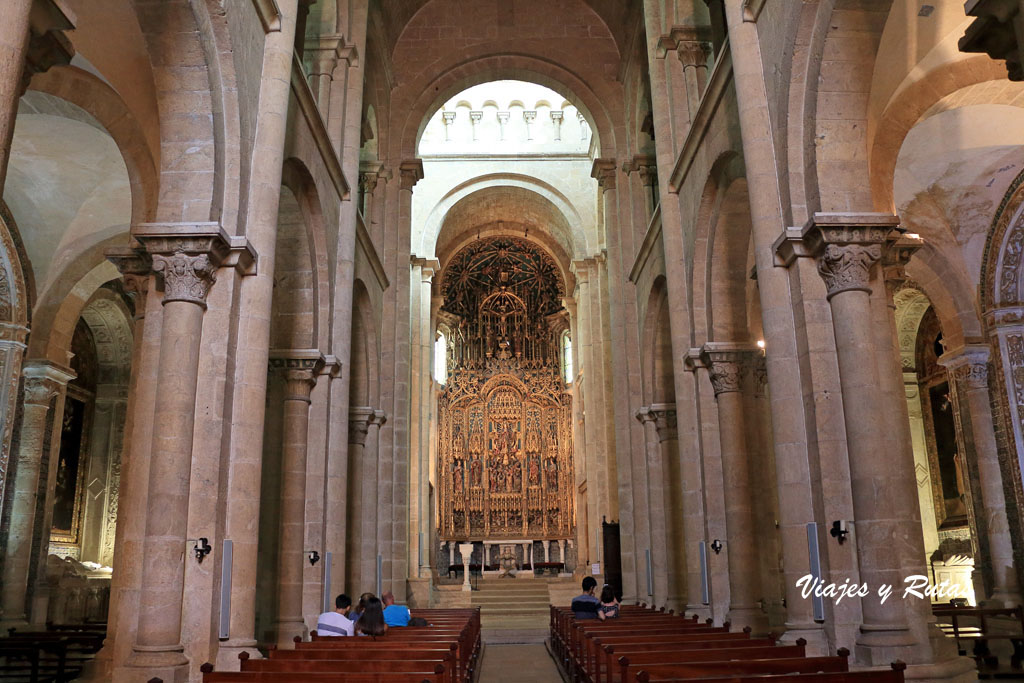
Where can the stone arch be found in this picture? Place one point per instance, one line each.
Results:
(15, 305)
(486, 68)
(907, 109)
(844, 180)
(554, 214)
(296, 177)
(1001, 283)
(727, 168)
(87, 91)
(728, 275)
(659, 377)
(110, 322)
(172, 46)
(293, 311)
(911, 305)
(363, 390)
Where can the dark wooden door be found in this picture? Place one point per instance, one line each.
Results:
(612, 556)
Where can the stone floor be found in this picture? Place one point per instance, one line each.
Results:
(518, 664)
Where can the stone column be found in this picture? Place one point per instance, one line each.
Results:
(299, 371)
(586, 357)
(421, 384)
(362, 504)
(12, 350)
(369, 176)
(693, 52)
(44, 381)
(466, 550)
(846, 248)
(729, 367)
(659, 498)
(968, 368)
(673, 530)
(136, 270)
(30, 42)
(185, 258)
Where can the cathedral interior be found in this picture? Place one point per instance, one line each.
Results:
(696, 297)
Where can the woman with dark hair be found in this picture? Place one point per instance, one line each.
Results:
(371, 622)
(609, 607)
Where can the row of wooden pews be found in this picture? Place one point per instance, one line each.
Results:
(644, 644)
(446, 651)
(56, 654)
(984, 627)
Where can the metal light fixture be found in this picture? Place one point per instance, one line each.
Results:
(717, 546)
(202, 548)
(314, 557)
(839, 531)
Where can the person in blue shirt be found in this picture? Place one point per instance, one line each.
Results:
(394, 615)
(586, 606)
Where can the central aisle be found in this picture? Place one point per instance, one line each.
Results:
(518, 664)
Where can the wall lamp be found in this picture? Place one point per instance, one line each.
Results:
(839, 531)
(314, 557)
(202, 548)
(717, 546)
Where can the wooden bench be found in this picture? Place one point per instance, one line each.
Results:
(630, 660)
(892, 675)
(981, 634)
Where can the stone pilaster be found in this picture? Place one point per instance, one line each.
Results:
(420, 523)
(44, 382)
(730, 367)
(969, 369)
(298, 370)
(185, 257)
(362, 542)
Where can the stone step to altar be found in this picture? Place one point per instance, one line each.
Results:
(520, 605)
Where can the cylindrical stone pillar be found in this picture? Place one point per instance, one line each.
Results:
(14, 35)
(43, 382)
(299, 382)
(186, 258)
(670, 523)
(846, 250)
(729, 367)
(968, 367)
(362, 558)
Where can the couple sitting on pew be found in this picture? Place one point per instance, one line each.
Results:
(371, 617)
(588, 606)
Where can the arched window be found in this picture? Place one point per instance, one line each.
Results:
(441, 359)
(567, 366)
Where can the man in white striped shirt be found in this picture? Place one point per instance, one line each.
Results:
(336, 623)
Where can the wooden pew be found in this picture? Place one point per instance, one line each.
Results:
(892, 675)
(759, 667)
(981, 634)
(632, 660)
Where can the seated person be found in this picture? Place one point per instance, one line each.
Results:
(357, 611)
(609, 608)
(585, 606)
(336, 623)
(394, 615)
(371, 623)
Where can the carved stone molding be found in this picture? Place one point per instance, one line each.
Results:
(379, 418)
(759, 374)
(693, 53)
(680, 36)
(44, 380)
(603, 170)
(646, 166)
(996, 32)
(968, 364)
(846, 247)
(896, 254)
(410, 172)
(186, 256)
(47, 46)
(359, 420)
(729, 365)
(299, 369)
(664, 415)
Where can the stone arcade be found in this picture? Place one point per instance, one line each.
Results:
(302, 297)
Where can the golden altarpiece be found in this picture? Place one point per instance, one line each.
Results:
(505, 468)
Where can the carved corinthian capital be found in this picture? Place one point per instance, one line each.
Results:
(846, 247)
(185, 257)
(664, 415)
(729, 365)
(968, 365)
